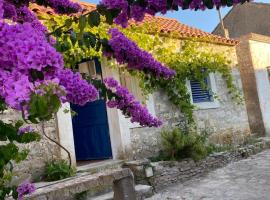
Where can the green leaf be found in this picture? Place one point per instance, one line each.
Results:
(89, 39)
(68, 22)
(82, 23)
(73, 38)
(94, 19)
(58, 32)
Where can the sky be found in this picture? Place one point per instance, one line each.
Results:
(205, 20)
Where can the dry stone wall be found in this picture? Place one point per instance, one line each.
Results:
(166, 173)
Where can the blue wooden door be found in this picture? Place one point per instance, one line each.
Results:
(91, 131)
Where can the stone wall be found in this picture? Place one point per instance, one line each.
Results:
(40, 152)
(165, 173)
(226, 123)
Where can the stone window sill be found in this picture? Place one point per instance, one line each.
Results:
(206, 105)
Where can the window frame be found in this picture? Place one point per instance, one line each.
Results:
(205, 105)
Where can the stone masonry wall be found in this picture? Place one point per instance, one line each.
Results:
(165, 173)
(40, 152)
(227, 123)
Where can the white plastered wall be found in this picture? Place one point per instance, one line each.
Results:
(260, 53)
(65, 132)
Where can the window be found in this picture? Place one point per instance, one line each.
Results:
(200, 94)
(201, 97)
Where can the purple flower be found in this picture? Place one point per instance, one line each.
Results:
(25, 15)
(35, 53)
(9, 11)
(16, 89)
(127, 51)
(26, 129)
(1, 9)
(121, 5)
(25, 188)
(78, 90)
(64, 6)
(126, 102)
(131, 9)
(137, 13)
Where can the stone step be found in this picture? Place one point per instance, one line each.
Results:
(100, 166)
(142, 192)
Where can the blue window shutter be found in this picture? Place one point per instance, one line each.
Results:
(198, 93)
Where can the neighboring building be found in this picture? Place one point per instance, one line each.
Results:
(247, 18)
(249, 24)
(99, 133)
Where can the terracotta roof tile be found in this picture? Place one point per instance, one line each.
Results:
(165, 26)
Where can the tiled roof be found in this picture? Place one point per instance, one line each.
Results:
(165, 26)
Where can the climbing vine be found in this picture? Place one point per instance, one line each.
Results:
(191, 59)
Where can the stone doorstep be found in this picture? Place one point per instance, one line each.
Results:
(100, 166)
(142, 192)
(67, 188)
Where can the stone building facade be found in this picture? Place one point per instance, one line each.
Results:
(248, 23)
(254, 62)
(221, 118)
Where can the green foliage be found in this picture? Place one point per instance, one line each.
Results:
(42, 107)
(10, 152)
(191, 60)
(58, 169)
(78, 38)
(178, 144)
(3, 106)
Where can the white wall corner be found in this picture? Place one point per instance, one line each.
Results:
(263, 88)
(65, 132)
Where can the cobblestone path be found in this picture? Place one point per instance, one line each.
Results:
(247, 179)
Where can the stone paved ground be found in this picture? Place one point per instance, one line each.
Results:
(247, 179)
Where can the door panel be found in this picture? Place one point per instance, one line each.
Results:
(91, 131)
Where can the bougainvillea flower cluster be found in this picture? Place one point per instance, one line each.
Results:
(137, 10)
(127, 52)
(18, 11)
(25, 188)
(126, 102)
(35, 54)
(78, 90)
(26, 129)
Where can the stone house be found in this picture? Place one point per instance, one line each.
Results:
(248, 24)
(100, 133)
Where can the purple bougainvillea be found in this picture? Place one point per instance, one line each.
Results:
(25, 188)
(35, 54)
(126, 102)
(26, 129)
(78, 90)
(127, 52)
(134, 10)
